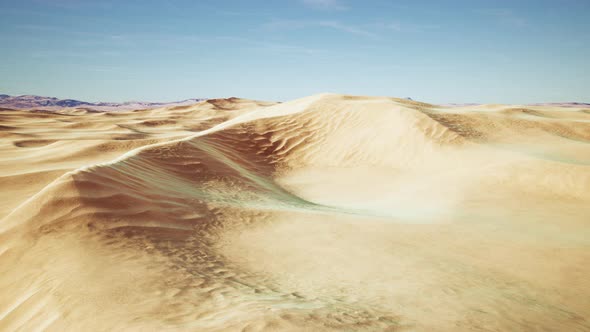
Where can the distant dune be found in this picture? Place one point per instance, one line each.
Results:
(29, 102)
(326, 213)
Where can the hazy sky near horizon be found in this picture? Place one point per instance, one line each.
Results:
(518, 51)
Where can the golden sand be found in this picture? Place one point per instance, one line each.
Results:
(325, 213)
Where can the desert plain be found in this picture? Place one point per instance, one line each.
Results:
(325, 213)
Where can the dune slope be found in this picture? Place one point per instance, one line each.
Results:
(329, 212)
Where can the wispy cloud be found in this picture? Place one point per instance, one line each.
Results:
(73, 54)
(395, 26)
(346, 28)
(325, 4)
(103, 69)
(371, 30)
(404, 26)
(504, 16)
(188, 43)
(266, 45)
(334, 25)
(36, 28)
(75, 4)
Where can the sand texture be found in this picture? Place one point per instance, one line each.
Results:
(326, 213)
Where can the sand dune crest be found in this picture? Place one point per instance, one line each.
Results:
(329, 212)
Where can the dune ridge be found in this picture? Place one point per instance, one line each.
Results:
(329, 212)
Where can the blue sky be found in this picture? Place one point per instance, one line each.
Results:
(435, 51)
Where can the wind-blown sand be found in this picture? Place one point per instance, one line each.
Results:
(329, 212)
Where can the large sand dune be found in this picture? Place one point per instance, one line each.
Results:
(329, 212)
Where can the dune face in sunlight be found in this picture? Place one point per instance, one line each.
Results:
(325, 213)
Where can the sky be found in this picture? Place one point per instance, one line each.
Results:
(455, 51)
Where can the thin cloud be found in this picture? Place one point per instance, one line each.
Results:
(73, 54)
(325, 4)
(267, 45)
(505, 17)
(334, 25)
(103, 69)
(404, 27)
(75, 4)
(63, 30)
(393, 26)
(346, 28)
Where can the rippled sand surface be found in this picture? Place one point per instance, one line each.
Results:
(326, 213)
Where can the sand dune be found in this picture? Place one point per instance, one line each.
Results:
(329, 212)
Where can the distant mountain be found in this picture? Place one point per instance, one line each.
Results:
(29, 102)
(565, 104)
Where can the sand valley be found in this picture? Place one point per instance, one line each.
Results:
(326, 213)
